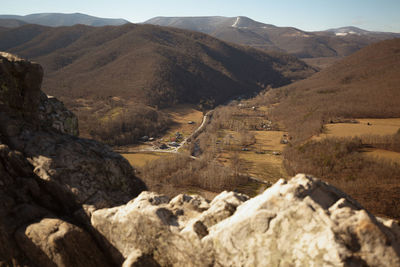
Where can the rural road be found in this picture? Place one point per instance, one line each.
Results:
(196, 132)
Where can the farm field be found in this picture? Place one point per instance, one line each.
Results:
(139, 159)
(375, 127)
(263, 159)
(365, 128)
(181, 115)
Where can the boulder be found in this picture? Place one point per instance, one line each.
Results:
(30, 232)
(301, 222)
(170, 231)
(54, 242)
(81, 171)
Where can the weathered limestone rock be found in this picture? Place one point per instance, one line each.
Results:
(153, 224)
(137, 259)
(53, 113)
(82, 171)
(146, 224)
(53, 242)
(20, 82)
(303, 222)
(50, 180)
(20, 197)
(23, 204)
(76, 171)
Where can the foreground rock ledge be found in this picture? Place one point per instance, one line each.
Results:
(301, 222)
(50, 180)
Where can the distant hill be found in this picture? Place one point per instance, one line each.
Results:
(245, 31)
(59, 19)
(349, 30)
(365, 84)
(11, 23)
(156, 65)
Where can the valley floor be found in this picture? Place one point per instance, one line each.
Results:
(259, 159)
(242, 139)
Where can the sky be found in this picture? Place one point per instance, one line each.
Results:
(309, 15)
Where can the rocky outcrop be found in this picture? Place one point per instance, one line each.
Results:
(78, 171)
(53, 113)
(30, 232)
(169, 231)
(300, 222)
(297, 223)
(54, 242)
(50, 180)
(20, 82)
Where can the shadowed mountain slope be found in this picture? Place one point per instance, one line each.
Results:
(155, 65)
(110, 76)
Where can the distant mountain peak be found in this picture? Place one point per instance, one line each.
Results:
(348, 30)
(243, 22)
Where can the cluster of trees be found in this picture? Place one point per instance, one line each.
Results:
(170, 175)
(127, 126)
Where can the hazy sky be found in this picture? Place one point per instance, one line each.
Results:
(378, 15)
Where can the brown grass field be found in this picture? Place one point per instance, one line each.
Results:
(181, 115)
(142, 158)
(259, 161)
(366, 127)
(376, 127)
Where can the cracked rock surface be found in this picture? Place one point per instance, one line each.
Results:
(301, 222)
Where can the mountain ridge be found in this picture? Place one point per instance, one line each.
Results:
(304, 44)
(59, 50)
(147, 66)
(64, 19)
